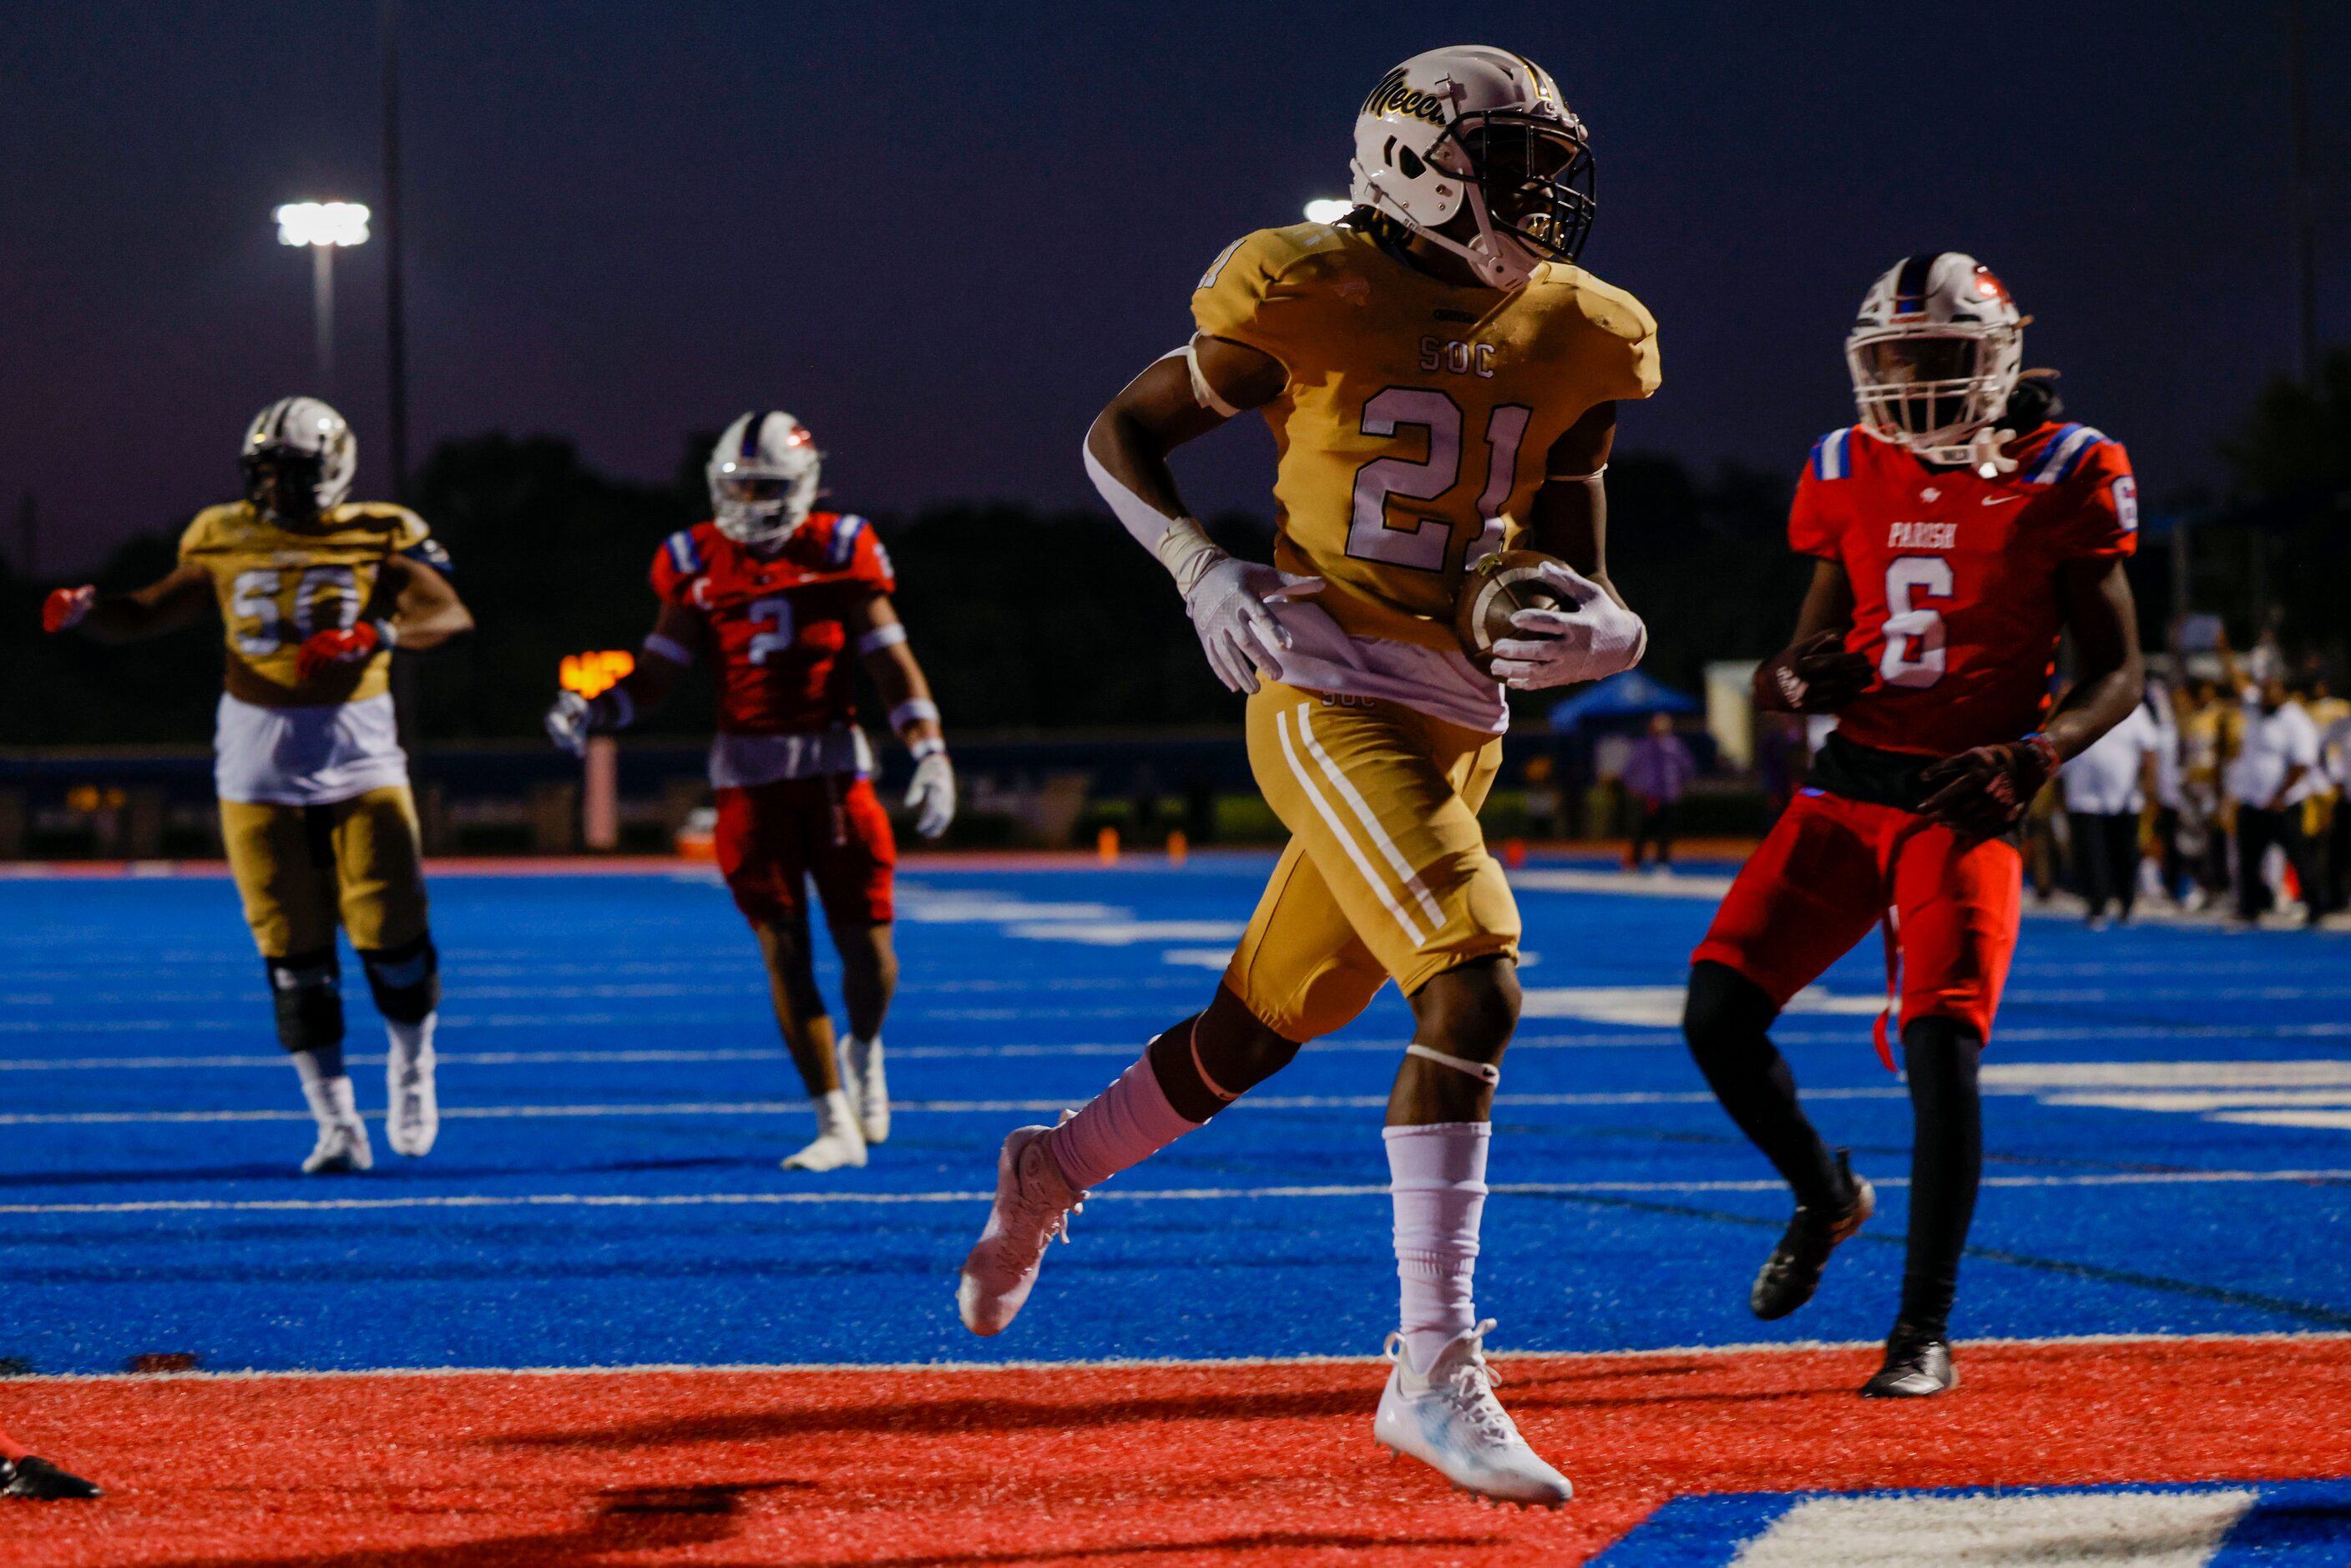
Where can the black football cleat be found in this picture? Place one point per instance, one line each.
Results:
(1793, 1272)
(35, 1477)
(1917, 1366)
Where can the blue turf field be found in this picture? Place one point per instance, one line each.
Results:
(606, 1191)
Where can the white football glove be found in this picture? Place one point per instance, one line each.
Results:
(932, 795)
(567, 723)
(1598, 637)
(1240, 636)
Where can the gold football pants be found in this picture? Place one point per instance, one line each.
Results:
(302, 870)
(1386, 874)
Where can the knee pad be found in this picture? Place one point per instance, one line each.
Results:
(306, 990)
(1723, 1008)
(404, 980)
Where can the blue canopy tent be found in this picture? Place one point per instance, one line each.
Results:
(1631, 695)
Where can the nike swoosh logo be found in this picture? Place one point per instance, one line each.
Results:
(2001, 500)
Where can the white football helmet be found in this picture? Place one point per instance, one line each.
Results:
(298, 458)
(1935, 354)
(1468, 126)
(763, 476)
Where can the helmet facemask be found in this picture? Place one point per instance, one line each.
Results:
(1931, 387)
(1530, 182)
(283, 485)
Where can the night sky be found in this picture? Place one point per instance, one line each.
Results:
(943, 236)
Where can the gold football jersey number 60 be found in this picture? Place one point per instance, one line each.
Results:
(255, 597)
(1369, 536)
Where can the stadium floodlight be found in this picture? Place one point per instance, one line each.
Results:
(323, 224)
(1327, 210)
(324, 227)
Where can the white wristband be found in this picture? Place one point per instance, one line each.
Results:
(913, 710)
(883, 637)
(929, 746)
(669, 648)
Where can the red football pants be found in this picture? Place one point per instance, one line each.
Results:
(1832, 868)
(773, 839)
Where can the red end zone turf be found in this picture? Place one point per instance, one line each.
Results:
(1161, 1464)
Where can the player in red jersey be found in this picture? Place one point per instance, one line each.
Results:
(27, 1475)
(1956, 530)
(773, 594)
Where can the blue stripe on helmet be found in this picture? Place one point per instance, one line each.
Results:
(1910, 284)
(751, 432)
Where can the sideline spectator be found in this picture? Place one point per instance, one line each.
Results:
(1657, 775)
(2332, 716)
(2275, 770)
(2106, 787)
(2203, 828)
(2170, 795)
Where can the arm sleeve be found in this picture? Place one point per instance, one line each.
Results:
(1253, 294)
(1813, 525)
(2104, 517)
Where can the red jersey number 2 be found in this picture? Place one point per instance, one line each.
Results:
(1914, 635)
(778, 614)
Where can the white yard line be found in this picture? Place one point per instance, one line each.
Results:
(1172, 1194)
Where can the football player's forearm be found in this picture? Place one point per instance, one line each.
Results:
(1569, 519)
(2111, 675)
(148, 613)
(906, 692)
(419, 628)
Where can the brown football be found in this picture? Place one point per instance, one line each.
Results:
(1496, 589)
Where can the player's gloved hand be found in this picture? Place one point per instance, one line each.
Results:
(567, 723)
(1227, 605)
(1816, 675)
(1986, 790)
(1598, 637)
(341, 645)
(65, 606)
(932, 795)
(571, 718)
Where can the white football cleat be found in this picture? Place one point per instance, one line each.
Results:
(1447, 1417)
(413, 1119)
(1033, 1205)
(342, 1148)
(868, 1089)
(838, 1142)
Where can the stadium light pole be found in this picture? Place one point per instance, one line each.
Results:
(325, 227)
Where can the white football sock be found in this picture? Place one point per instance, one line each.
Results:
(1436, 1179)
(331, 1104)
(410, 1041)
(1124, 1124)
(319, 1065)
(835, 1117)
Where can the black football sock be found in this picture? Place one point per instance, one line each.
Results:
(1945, 1163)
(1726, 1021)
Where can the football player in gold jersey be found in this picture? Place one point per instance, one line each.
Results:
(314, 592)
(1441, 380)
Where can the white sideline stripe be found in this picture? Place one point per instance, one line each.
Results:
(1117, 1363)
(1339, 830)
(955, 1107)
(2336, 1121)
(2144, 1530)
(1170, 1195)
(1126, 1048)
(1405, 875)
